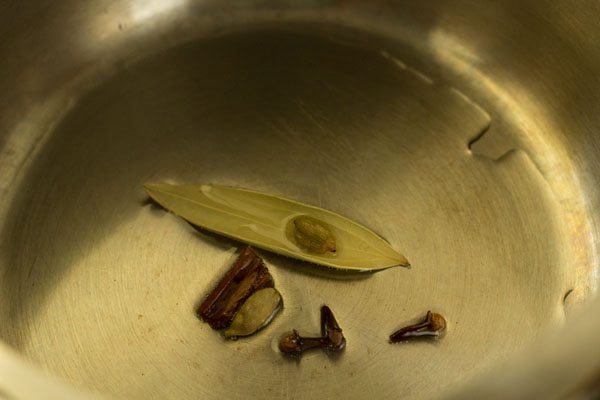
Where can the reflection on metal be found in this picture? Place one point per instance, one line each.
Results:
(524, 123)
(143, 10)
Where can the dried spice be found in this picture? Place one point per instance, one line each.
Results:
(432, 327)
(263, 220)
(312, 235)
(330, 329)
(332, 338)
(294, 344)
(247, 275)
(256, 313)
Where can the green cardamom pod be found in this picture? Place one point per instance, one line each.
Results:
(256, 313)
(312, 235)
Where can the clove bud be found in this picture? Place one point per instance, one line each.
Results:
(433, 326)
(295, 344)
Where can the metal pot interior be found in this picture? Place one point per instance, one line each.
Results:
(99, 288)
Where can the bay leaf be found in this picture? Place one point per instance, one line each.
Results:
(262, 220)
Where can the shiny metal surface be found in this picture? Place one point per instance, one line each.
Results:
(466, 134)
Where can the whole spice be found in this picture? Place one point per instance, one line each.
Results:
(312, 235)
(331, 330)
(294, 344)
(247, 275)
(256, 313)
(262, 220)
(331, 338)
(433, 326)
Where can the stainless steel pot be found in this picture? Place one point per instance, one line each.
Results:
(466, 133)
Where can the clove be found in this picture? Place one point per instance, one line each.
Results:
(433, 326)
(332, 338)
(331, 331)
(294, 344)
